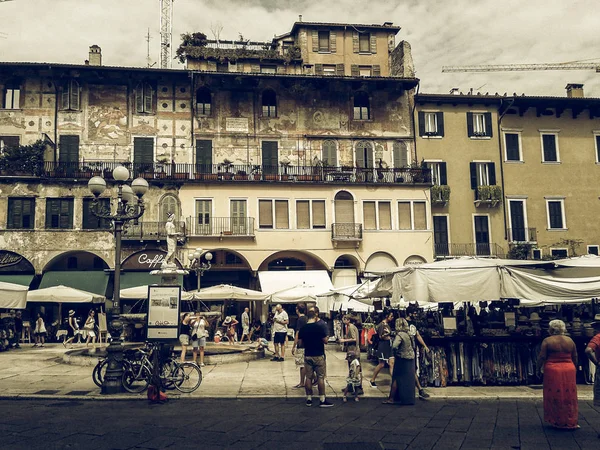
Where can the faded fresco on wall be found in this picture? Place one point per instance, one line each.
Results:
(107, 114)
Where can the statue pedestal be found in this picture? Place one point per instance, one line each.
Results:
(169, 273)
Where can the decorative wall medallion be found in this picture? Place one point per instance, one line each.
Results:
(318, 117)
(164, 145)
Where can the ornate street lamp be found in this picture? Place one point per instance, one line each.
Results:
(129, 206)
(198, 265)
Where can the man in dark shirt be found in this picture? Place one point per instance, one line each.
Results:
(297, 349)
(313, 338)
(18, 328)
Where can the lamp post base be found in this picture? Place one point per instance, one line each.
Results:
(113, 379)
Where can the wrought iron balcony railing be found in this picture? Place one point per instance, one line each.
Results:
(528, 235)
(221, 226)
(226, 172)
(148, 231)
(442, 250)
(346, 231)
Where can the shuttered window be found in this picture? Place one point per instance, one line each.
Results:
(511, 141)
(21, 213)
(404, 216)
(369, 218)
(282, 215)
(555, 214)
(59, 213)
(385, 216)
(144, 98)
(329, 157)
(91, 221)
(323, 41)
(400, 154)
(549, 148)
(318, 213)
(168, 204)
(420, 215)
(265, 214)
(69, 99)
(364, 43)
(302, 214)
(479, 124)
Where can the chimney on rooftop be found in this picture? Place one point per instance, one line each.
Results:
(574, 90)
(95, 56)
(454, 91)
(299, 17)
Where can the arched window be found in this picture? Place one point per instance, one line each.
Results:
(364, 155)
(329, 153)
(203, 102)
(362, 110)
(144, 98)
(344, 207)
(269, 103)
(400, 154)
(169, 204)
(287, 264)
(69, 98)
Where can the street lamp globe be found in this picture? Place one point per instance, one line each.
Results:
(127, 194)
(208, 256)
(196, 255)
(139, 186)
(120, 173)
(97, 185)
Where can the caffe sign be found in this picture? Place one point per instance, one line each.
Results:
(145, 260)
(14, 263)
(9, 259)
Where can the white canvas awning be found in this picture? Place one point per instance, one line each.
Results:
(294, 286)
(13, 296)
(63, 294)
(227, 292)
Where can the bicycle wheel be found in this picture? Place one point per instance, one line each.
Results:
(99, 372)
(134, 379)
(187, 377)
(167, 378)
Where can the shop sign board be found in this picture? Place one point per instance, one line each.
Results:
(163, 312)
(146, 260)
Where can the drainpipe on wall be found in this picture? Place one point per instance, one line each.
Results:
(55, 122)
(414, 130)
(500, 117)
(192, 115)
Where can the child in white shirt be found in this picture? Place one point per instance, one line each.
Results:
(354, 380)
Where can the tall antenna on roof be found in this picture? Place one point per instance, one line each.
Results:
(166, 32)
(149, 62)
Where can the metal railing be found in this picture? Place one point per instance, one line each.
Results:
(221, 226)
(150, 231)
(346, 231)
(470, 249)
(522, 235)
(229, 172)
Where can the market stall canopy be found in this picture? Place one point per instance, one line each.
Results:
(141, 293)
(579, 261)
(136, 279)
(279, 280)
(296, 294)
(63, 294)
(351, 305)
(227, 292)
(13, 296)
(94, 281)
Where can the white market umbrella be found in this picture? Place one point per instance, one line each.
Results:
(63, 294)
(297, 294)
(141, 293)
(13, 296)
(227, 292)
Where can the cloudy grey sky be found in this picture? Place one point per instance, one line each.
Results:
(441, 32)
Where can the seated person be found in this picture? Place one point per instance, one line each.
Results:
(256, 331)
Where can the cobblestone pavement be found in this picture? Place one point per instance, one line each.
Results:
(42, 373)
(288, 424)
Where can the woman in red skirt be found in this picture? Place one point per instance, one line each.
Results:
(559, 358)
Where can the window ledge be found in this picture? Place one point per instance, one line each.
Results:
(514, 161)
(19, 229)
(11, 109)
(363, 120)
(366, 53)
(433, 136)
(557, 229)
(480, 138)
(552, 163)
(324, 51)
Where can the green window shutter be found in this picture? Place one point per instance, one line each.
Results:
(15, 213)
(66, 213)
(204, 154)
(28, 213)
(473, 170)
(443, 174)
(421, 123)
(360, 155)
(549, 141)
(139, 98)
(400, 154)
(373, 39)
(148, 98)
(74, 95)
(376, 70)
(492, 173)
(340, 70)
(52, 213)
(488, 124)
(69, 149)
(319, 69)
(64, 96)
(315, 41)
(354, 70)
(440, 123)
(355, 46)
(470, 124)
(332, 41)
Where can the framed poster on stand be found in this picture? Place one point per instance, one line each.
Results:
(163, 312)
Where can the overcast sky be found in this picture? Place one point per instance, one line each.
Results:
(441, 32)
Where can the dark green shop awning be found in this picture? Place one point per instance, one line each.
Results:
(134, 279)
(94, 281)
(24, 280)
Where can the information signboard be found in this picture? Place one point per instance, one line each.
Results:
(163, 312)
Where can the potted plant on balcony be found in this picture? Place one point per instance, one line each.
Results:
(162, 168)
(285, 164)
(440, 195)
(256, 173)
(224, 167)
(488, 195)
(241, 175)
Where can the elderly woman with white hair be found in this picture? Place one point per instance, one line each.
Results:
(558, 356)
(402, 390)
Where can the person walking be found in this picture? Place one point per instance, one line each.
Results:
(90, 328)
(184, 334)
(415, 338)
(402, 389)
(280, 328)
(245, 325)
(313, 339)
(297, 349)
(592, 351)
(198, 337)
(72, 329)
(354, 380)
(384, 348)
(351, 337)
(39, 332)
(558, 355)
(18, 329)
